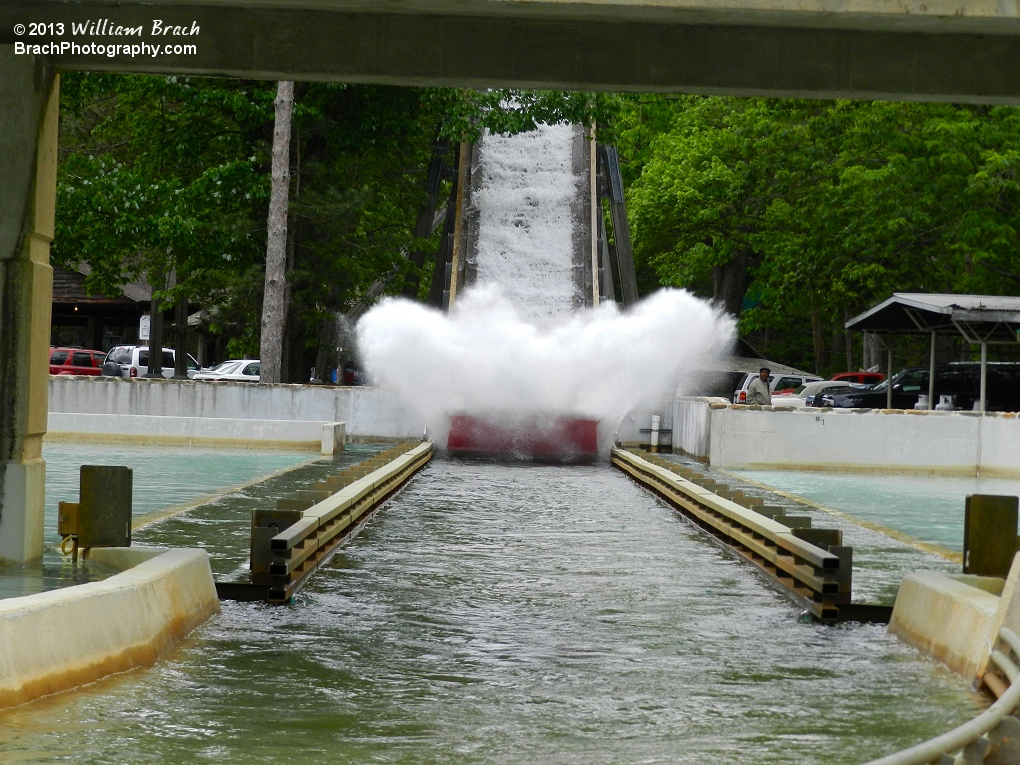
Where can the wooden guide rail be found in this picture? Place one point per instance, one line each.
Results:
(324, 516)
(816, 578)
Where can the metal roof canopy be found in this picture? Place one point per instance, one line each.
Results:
(980, 319)
(993, 319)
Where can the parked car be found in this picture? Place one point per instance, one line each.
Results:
(134, 361)
(75, 361)
(864, 378)
(245, 370)
(960, 380)
(809, 393)
(777, 383)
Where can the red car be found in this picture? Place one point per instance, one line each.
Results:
(862, 378)
(75, 361)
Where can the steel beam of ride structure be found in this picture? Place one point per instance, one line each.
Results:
(620, 265)
(946, 50)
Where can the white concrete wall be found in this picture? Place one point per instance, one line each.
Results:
(366, 411)
(56, 640)
(952, 443)
(628, 430)
(727, 435)
(1000, 444)
(692, 432)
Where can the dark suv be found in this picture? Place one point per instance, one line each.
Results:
(959, 379)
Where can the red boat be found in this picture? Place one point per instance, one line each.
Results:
(550, 439)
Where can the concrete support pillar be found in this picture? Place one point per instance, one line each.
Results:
(334, 435)
(28, 164)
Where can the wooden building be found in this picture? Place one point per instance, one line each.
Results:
(95, 321)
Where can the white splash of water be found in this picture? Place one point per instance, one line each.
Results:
(484, 358)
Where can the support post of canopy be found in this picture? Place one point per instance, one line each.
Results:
(888, 377)
(984, 374)
(931, 375)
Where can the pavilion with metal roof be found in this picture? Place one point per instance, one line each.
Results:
(980, 319)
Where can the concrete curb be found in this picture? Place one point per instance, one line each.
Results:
(57, 640)
(947, 619)
(296, 435)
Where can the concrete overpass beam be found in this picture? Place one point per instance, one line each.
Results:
(28, 166)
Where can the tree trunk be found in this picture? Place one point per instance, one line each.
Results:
(181, 346)
(426, 215)
(276, 248)
(156, 327)
(325, 357)
(836, 347)
(816, 338)
(872, 352)
(730, 282)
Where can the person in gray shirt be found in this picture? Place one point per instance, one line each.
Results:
(758, 390)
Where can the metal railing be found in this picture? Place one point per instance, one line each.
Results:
(340, 507)
(814, 577)
(987, 734)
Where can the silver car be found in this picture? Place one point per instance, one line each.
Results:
(241, 370)
(809, 393)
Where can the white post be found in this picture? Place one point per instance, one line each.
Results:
(984, 374)
(931, 375)
(653, 439)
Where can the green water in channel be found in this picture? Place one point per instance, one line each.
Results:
(928, 508)
(502, 614)
(161, 477)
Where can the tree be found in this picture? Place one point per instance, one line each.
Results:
(276, 247)
(160, 174)
(799, 214)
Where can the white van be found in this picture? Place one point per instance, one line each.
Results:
(133, 361)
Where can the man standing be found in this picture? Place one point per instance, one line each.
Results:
(758, 390)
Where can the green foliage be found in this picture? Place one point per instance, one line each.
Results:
(838, 204)
(466, 113)
(160, 174)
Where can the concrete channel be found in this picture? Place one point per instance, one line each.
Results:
(520, 613)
